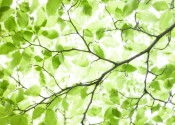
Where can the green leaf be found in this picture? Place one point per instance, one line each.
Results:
(4, 8)
(130, 6)
(10, 24)
(6, 48)
(55, 102)
(140, 118)
(20, 95)
(128, 68)
(83, 62)
(105, 1)
(22, 19)
(40, 18)
(51, 34)
(87, 9)
(50, 117)
(52, 6)
(59, 47)
(116, 112)
(61, 23)
(27, 35)
(9, 106)
(2, 111)
(16, 58)
(118, 13)
(88, 33)
(17, 38)
(114, 97)
(47, 54)
(157, 118)
(160, 5)
(147, 17)
(42, 78)
(65, 104)
(126, 104)
(5, 120)
(74, 91)
(61, 58)
(100, 33)
(4, 84)
(166, 20)
(33, 90)
(168, 83)
(6, 2)
(24, 6)
(108, 114)
(170, 121)
(42, 123)
(114, 121)
(56, 62)
(34, 5)
(97, 49)
(94, 111)
(155, 108)
(37, 112)
(111, 113)
(155, 85)
(1, 74)
(38, 58)
(83, 92)
(19, 120)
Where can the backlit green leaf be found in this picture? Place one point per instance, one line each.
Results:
(37, 112)
(34, 5)
(88, 33)
(97, 49)
(20, 95)
(47, 53)
(100, 33)
(160, 5)
(19, 120)
(52, 6)
(87, 9)
(166, 19)
(6, 2)
(33, 90)
(157, 118)
(56, 62)
(17, 38)
(51, 34)
(40, 18)
(116, 112)
(130, 6)
(65, 104)
(114, 97)
(50, 117)
(38, 58)
(168, 83)
(94, 111)
(1, 74)
(17, 56)
(105, 1)
(118, 13)
(22, 19)
(128, 68)
(7, 48)
(10, 24)
(24, 6)
(155, 108)
(83, 62)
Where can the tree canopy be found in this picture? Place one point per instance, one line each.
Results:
(87, 62)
